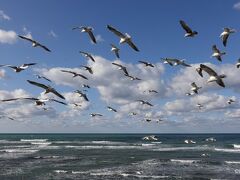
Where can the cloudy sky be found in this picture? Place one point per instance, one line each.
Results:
(154, 28)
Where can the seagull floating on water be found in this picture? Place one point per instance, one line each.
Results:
(213, 75)
(225, 34)
(48, 88)
(217, 53)
(34, 43)
(19, 68)
(189, 32)
(88, 30)
(124, 38)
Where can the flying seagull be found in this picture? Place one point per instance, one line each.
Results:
(121, 67)
(124, 38)
(85, 86)
(132, 78)
(189, 32)
(81, 94)
(87, 68)
(74, 74)
(133, 114)
(95, 114)
(34, 43)
(146, 63)
(175, 62)
(111, 109)
(217, 53)
(225, 34)
(200, 106)
(87, 55)
(230, 101)
(213, 75)
(145, 102)
(151, 91)
(42, 77)
(19, 68)
(48, 88)
(148, 120)
(87, 30)
(116, 50)
(195, 88)
(189, 94)
(238, 63)
(38, 102)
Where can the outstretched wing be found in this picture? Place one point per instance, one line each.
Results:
(90, 33)
(185, 26)
(215, 49)
(224, 39)
(130, 43)
(57, 93)
(44, 47)
(26, 38)
(115, 31)
(208, 70)
(38, 84)
(58, 101)
(84, 77)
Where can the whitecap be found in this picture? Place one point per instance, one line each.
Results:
(236, 146)
(33, 140)
(232, 162)
(227, 150)
(60, 171)
(184, 161)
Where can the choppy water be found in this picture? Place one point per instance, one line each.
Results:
(118, 156)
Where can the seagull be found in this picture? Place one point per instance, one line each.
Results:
(116, 50)
(87, 68)
(217, 53)
(230, 101)
(152, 91)
(87, 55)
(76, 105)
(87, 30)
(189, 94)
(148, 120)
(238, 63)
(189, 32)
(38, 102)
(213, 75)
(85, 86)
(121, 67)
(74, 74)
(195, 88)
(145, 102)
(81, 94)
(19, 68)
(225, 34)
(146, 63)
(42, 77)
(124, 38)
(111, 109)
(200, 106)
(48, 88)
(34, 43)
(132, 78)
(199, 70)
(133, 114)
(95, 114)
(4, 116)
(159, 120)
(175, 62)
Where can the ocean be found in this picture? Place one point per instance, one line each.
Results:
(119, 156)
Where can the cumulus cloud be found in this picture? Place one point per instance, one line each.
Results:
(8, 37)
(4, 16)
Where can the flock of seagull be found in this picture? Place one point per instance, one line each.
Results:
(124, 39)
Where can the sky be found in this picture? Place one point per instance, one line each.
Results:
(155, 29)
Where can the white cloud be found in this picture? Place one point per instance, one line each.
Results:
(4, 16)
(53, 34)
(237, 6)
(7, 37)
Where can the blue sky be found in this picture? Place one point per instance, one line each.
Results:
(154, 27)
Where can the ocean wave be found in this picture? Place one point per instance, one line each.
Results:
(156, 142)
(107, 142)
(232, 162)
(41, 143)
(143, 176)
(236, 146)
(184, 161)
(148, 144)
(19, 150)
(105, 147)
(194, 148)
(227, 150)
(60, 171)
(33, 140)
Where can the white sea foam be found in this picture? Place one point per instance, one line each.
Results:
(105, 147)
(236, 146)
(232, 162)
(60, 171)
(227, 150)
(148, 144)
(184, 161)
(143, 176)
(195, 148)
(33, 140)
(107, 142)
(156, 142)
(41, 143)
(19, 150)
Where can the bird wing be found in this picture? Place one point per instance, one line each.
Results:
(194, 85)
(90, 56)
(125, 70)
(184, 64)
(68, 71)
(220, 82)
(117, 54)
(148, 103)
(28, 39)
(46, 79)
(57, 93)
(58, 101)
(119, 65)
(115, 31)
(224, 39)
(84, 77)
(215, 49)
(38, 84)
(90, 33)
(44, 47)
(130, 43)
(208, 70)
(185, 26)
(85, 97)
(143, 62)
(12, 99)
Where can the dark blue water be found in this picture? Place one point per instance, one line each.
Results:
(119, 156)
